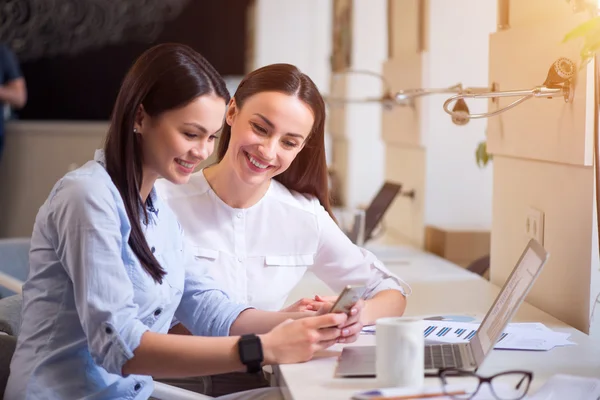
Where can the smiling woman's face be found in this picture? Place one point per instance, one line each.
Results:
(267, 134)
(176, 141)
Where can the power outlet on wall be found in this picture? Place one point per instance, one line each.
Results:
(534, 225)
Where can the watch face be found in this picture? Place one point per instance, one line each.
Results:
(252, 351)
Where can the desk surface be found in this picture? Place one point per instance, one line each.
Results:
(413, 266)
(440, 287)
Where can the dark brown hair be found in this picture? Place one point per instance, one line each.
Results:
(307, 174)
(165, 77)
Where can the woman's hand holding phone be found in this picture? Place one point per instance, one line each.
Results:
(350, 303)
(353, 326)
(295, 341)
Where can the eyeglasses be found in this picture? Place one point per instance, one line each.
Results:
(462, 385)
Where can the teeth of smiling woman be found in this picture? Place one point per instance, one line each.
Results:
(187, 165)
(256, 163)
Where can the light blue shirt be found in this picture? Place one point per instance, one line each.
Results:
(87, 300)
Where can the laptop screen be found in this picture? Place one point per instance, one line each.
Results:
(380, 204)
(510, 297)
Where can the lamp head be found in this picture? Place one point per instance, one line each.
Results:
(460, 113)
(560, 72)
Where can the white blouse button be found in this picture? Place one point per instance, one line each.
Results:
(239, 214)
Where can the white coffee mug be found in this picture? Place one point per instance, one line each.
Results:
(400, 352)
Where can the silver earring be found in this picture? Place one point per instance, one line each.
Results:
(135, 130)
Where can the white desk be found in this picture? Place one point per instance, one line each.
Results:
(413, 266)
(458, 292)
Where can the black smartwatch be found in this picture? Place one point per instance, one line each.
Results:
(251, 352)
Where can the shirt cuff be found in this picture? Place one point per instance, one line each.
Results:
(391, 282)
(234, 313)
(384, 278)
(217, 320)
(116, 348)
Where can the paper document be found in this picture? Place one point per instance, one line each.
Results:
(561, 387)
(516, 336)
(430, 392)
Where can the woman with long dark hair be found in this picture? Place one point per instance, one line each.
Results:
(110, 270)
(260, 218)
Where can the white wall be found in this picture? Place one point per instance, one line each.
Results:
(295, 32)
(363, 121)
(299, 33)
(458, 192)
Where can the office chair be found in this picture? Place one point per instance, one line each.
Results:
(480, 266)
(14, 264)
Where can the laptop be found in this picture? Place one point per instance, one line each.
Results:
(359, 361)
(376, 210)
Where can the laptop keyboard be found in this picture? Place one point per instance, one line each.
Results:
(442, 356)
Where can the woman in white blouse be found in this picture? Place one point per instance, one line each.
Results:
(261, 217)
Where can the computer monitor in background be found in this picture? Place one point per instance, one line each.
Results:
(376, 210)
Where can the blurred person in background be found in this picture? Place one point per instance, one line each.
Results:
(13, 92)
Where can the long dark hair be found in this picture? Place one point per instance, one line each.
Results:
(307, 174)
(164, 77)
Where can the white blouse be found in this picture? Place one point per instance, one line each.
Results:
(259, 254)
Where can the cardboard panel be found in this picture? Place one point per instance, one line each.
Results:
(336, 111)
(401, 124)
(340, 164)
(459, 245)
(539, 128)
(564, 193)
(525, 13)
(405, 218)
(36, 156)
(407, 27)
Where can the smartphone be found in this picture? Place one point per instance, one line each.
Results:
(348, 298)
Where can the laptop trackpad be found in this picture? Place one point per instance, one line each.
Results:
(356, 362)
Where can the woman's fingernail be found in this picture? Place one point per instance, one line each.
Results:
(353, 311)
(345, 332)
(341, 340)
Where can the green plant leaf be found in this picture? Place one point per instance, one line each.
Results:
(482, 157)
(587, 53)
(583, 29)
(590, 47)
